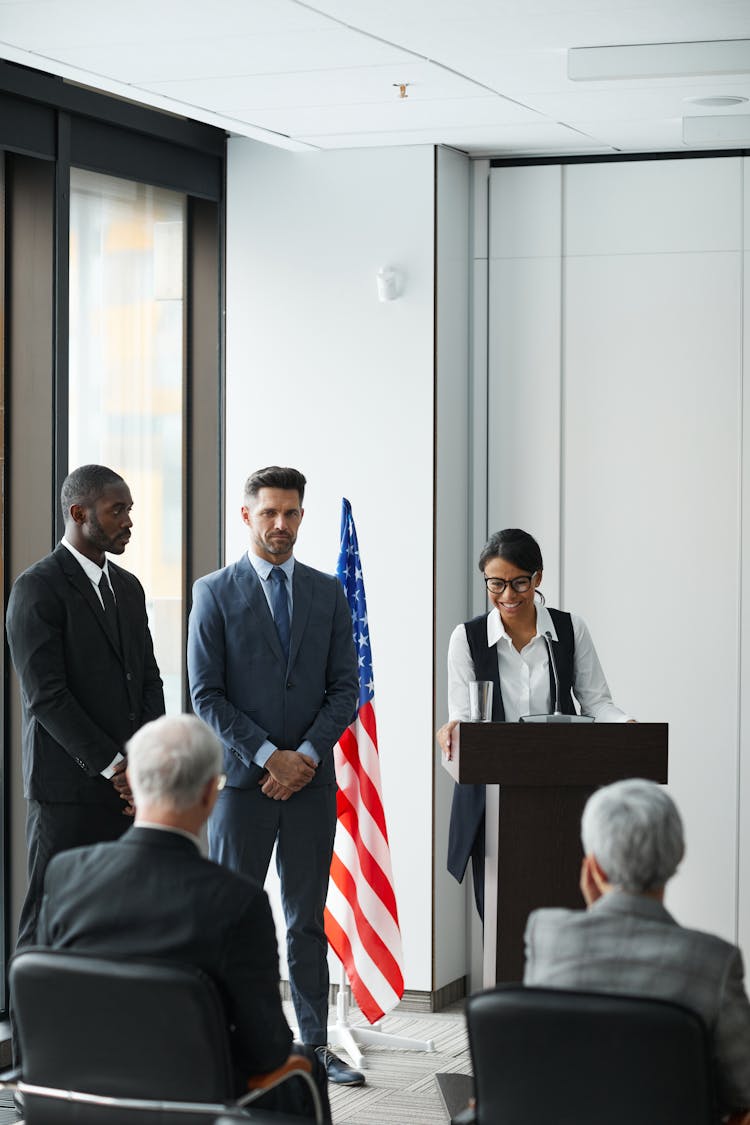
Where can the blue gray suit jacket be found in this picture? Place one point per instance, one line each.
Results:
(631, 944)
(240, 683)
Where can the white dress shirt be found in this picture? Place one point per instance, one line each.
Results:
(524, 675)
(94, 572)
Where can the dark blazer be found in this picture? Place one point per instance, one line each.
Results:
(631, 944)
(82, 696)
(152, 894)
(241, 685)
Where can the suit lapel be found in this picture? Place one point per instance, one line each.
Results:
(122, 597)
(77, 578)
(251, 593)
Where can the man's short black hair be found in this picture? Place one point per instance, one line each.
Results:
(85, 485)
(275, 476)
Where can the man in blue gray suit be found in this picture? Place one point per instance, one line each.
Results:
(627, 942)
(273, 671)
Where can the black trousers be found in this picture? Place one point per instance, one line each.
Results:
(242, 831)
(293, 1097)
(53, 827)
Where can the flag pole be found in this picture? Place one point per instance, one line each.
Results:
(347, 1037)
(361, 914)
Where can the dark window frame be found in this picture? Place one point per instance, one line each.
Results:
(47, 121)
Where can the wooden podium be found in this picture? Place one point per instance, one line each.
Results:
(538, 778)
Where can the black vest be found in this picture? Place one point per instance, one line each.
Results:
(467, 810)
(485, 661)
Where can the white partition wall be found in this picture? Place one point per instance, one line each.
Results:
(323, 375)
(616, 395)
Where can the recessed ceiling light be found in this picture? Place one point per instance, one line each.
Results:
(717, 102)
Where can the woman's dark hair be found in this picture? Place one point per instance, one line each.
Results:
(515, 546)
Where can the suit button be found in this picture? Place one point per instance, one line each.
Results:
(128, 675)
(289, 684)
(131, 716)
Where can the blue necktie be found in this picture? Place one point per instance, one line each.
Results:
(280, 605)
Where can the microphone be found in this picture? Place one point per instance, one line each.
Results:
(553, 665)
(557, 715)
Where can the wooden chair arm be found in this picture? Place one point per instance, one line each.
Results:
(272, 1077)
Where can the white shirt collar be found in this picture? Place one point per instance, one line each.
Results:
(496, 629)
(91, 569)
(263, 567)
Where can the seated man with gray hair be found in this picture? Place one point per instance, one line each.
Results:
(627, 942)
(153, 894)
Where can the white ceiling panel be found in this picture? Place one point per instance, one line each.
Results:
(465, 113)
(230, 57)
(45, 25)
(627, 105)
(484, 75)
(334, 87)
(639, 136)
(530, 140)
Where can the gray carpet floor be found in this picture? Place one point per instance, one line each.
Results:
(401, 1088)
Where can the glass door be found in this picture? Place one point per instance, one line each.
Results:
(126, 378)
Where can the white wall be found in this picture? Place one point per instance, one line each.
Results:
(616, 435)
(322, 376)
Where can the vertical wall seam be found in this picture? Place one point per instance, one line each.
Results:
(561, 399)
(740, 560)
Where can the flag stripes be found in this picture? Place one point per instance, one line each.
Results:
(361, 916)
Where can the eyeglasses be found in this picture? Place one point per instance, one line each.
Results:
(221, 780)
(520, 584)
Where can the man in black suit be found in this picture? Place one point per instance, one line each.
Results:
(153, 894)
(80, 643)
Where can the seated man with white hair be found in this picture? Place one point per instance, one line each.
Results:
(627, 942)
(153, 894)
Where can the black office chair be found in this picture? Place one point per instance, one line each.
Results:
(115, 1042)
(582, 1058)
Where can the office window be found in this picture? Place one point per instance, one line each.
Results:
(126, 376)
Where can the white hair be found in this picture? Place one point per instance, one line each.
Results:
(635, 832)
(171, 759)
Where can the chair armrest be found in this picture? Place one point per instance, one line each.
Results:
(466, 1116)
(273, 1077)
(10, 1077)
(296, 1066)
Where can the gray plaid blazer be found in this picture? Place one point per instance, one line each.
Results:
(632, 944)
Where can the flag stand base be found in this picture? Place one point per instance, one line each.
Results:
(343, 1036)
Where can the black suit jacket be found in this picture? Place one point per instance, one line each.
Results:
(152, 894)
(82, 695)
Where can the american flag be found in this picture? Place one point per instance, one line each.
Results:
(361, 919)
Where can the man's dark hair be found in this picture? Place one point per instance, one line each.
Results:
(85, 485)
(514, 546)
(275, 476)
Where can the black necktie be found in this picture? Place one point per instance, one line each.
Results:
(280, 606)
(110, 608)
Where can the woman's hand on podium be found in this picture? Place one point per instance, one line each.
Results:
(444, 737)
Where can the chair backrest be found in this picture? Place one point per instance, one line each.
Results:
(581, 1058)
(120, 1028)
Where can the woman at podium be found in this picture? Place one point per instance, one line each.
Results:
(539, 661)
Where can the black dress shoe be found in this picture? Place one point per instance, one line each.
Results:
(337, 1070)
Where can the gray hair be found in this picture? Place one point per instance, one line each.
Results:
(171, 759)
(635, 832)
